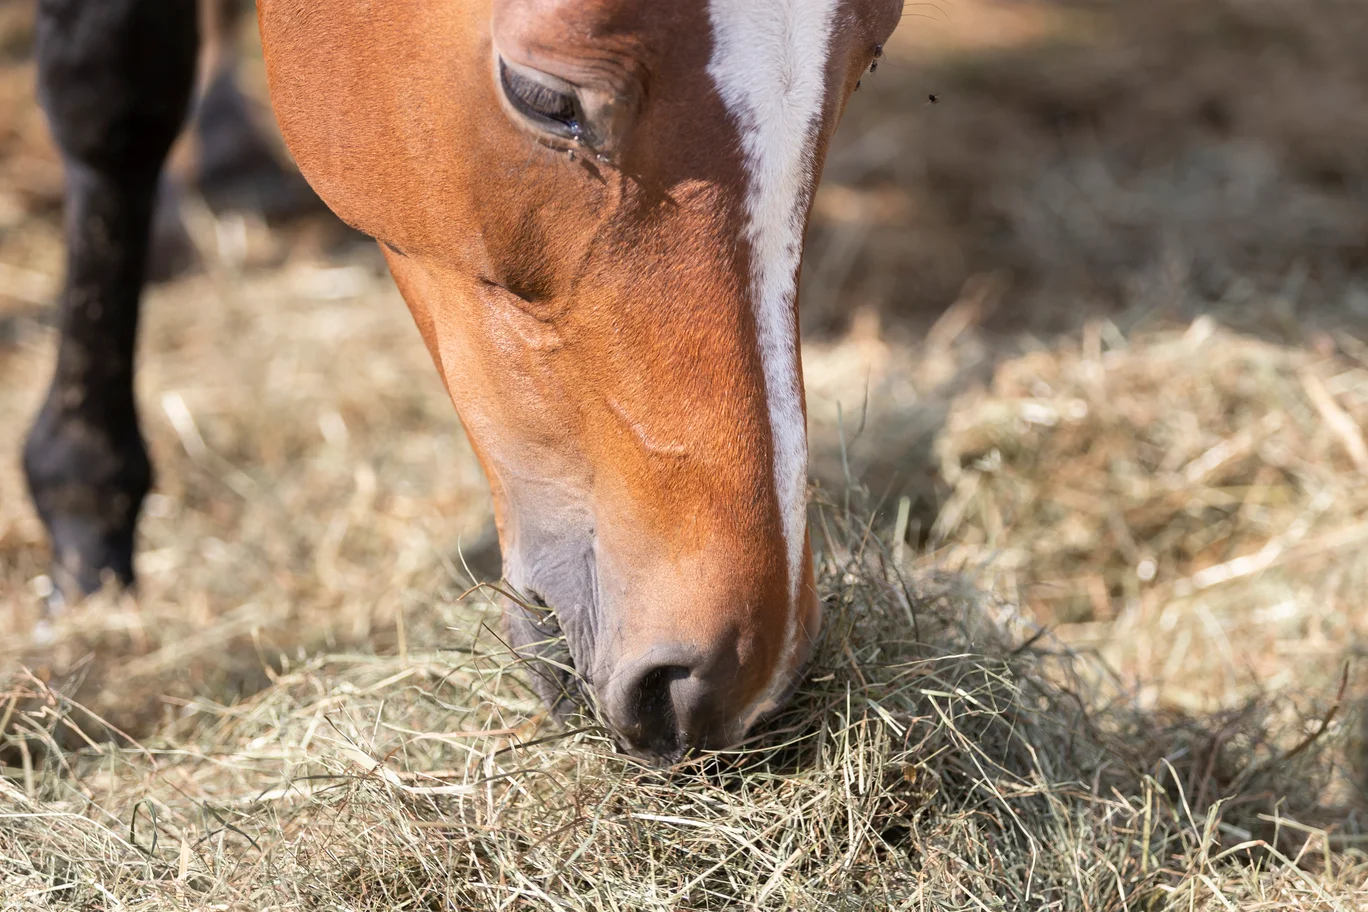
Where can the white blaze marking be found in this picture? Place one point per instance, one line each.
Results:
(769, 65)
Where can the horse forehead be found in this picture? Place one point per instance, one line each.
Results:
(585, 23)
(654, 26)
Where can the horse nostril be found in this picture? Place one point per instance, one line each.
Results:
(653, 695)
(673, 699)
(662, 710)
(644, 713)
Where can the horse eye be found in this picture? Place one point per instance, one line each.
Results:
(548, 107)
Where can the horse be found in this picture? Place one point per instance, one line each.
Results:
(595, 212)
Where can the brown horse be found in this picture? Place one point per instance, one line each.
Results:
(595, 211)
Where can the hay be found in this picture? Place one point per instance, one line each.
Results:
(941, 754)
(1203, 485)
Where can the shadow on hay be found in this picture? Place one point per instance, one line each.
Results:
(1098, 155)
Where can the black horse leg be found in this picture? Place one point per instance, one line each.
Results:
(115, 78)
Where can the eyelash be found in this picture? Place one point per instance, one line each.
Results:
(541, 102)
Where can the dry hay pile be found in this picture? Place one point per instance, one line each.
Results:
(941, 755)
(1186, 488)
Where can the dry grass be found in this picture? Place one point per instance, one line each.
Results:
(942, 753)
(299, 506)
(1181, 498)
(1111, 475)
(930, 761)
(1138, 424)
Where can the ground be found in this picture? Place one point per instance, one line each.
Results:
(1087, 362)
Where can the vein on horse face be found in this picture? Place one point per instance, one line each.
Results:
(769, 65)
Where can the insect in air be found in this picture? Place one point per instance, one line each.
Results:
(933, 99)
